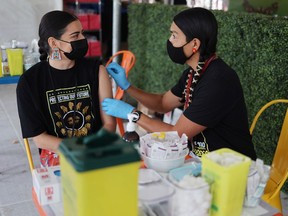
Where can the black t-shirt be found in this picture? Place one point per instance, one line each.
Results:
(218, 103)
(40, 111)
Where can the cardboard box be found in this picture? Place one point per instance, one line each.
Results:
(89, 1)
(94, 21)
(94, 48)
(83, 18)
(46, 183)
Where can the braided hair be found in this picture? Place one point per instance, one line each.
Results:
(53, 24)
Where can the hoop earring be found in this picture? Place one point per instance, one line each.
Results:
(55, 55)
(194, 50)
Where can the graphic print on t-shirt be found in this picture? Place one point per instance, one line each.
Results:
(66, 113)
(200, 145)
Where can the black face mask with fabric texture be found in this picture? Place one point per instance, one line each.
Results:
(177, 54)
(79, 49)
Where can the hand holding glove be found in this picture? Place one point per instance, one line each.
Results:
(116, 108)
(119, 75)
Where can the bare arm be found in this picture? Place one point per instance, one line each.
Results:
(163, 103)
(46, 141)
(183, 125)
(158, 102)
(105, 91)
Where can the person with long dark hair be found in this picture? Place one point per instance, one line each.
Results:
(214, 114)
(60, 97)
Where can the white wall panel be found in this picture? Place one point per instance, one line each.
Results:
(19, 19)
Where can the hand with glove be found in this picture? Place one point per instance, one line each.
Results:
(119, 75)
(116, 108)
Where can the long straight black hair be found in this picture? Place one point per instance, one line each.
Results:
(53, 24)
(199, 23)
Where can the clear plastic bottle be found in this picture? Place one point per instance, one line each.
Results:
(131, 135)
(32, 55)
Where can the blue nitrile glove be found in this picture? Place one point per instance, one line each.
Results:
(119, 75)
(116, 108)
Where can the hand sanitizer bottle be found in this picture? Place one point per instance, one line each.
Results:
(131, 135)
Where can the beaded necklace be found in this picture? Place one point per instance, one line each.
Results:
(192, 79)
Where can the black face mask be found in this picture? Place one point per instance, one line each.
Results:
(177, 54)
(79, 49)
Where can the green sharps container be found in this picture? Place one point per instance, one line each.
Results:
(99, 175)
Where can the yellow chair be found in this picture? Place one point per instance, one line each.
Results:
(127, 59)
(279, 167)
(29, 155)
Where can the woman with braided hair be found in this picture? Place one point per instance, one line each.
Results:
(60, 96)
(214, 113)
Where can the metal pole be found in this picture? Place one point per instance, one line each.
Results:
(116, 26)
